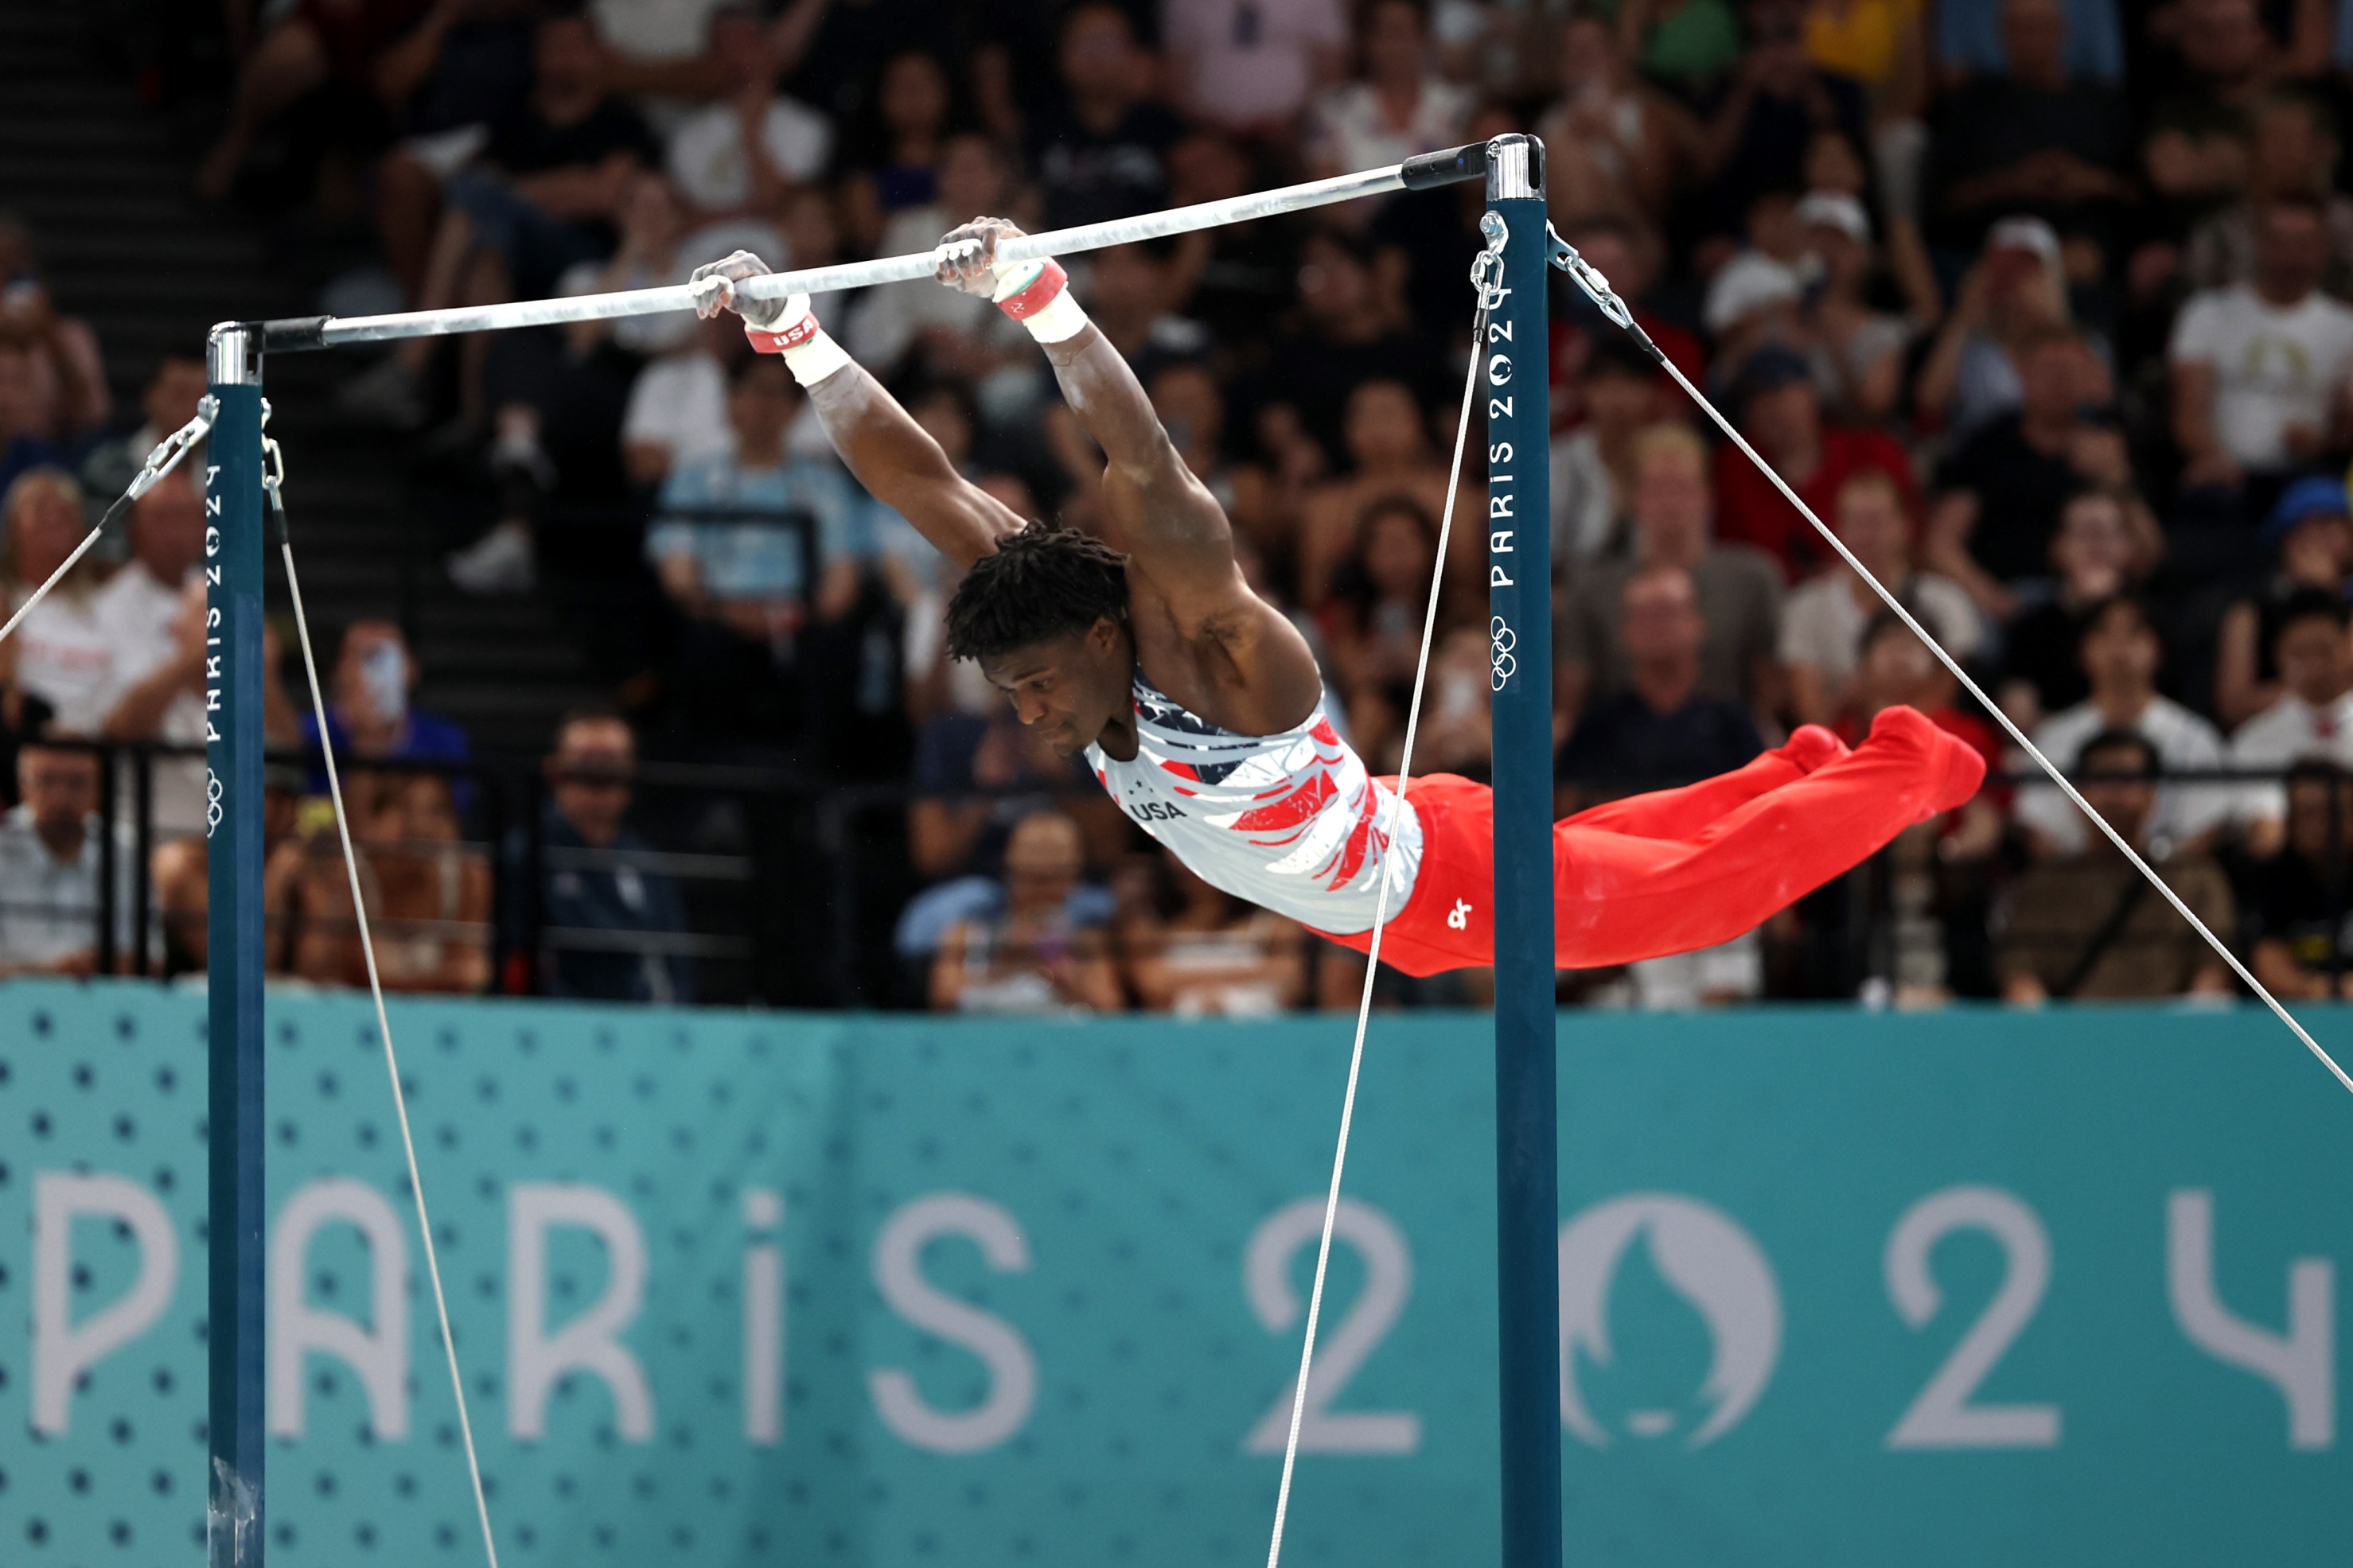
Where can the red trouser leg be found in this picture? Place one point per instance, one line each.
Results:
(1618, 898)
(1680, 813)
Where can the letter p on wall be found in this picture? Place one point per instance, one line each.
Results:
(63, 1349)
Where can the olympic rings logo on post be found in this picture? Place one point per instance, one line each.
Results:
(213, 792)
(1502, 640)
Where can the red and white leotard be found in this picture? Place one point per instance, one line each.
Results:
(1290, 822)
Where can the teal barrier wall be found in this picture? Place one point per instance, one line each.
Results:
(1837, 1289)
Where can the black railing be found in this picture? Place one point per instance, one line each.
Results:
(776, 889)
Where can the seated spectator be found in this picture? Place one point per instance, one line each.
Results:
(1197, 951)
(63, 395)
(977, 775)
(2000, 493)
(2260, 369)
(677, 411)
(2294, 900)
(1756, 140)
(1398, 105)
(430, 916)
(919, 327)
(546, 194)
(591, 880)
(1738, 587)
(1857, 349)
(1973, 41)
(49, 876)
(2291, 151)
(2120, 655)
(369, 717)
(315, 47)
(309, 932)
(1781, 413)
(751, 546)
(1389, 454)
(1345, 337)
(1661, 729)
(1616, 144)
(1756, 298)
(2311, 531)
(1379, 602)
(2192, 154)
(1688, 47)
(137, 606)
(2098, 554)
(1822, 622)
(60, 653)
(2017, 289)
(895, 164)
(740, 153)
(1100, 147)
(1033, 957)
(1249, 67)
(2313, 718)
(2087, 925)
(2036, 136)
(168, 403)
(28, 414)
(1593, 465)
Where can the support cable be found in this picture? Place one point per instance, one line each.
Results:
(1492, 227)
(273, 476)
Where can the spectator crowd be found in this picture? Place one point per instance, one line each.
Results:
(2044, 307)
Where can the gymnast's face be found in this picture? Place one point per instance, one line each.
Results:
(1068, 689)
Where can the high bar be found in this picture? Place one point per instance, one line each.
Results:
(298, 333)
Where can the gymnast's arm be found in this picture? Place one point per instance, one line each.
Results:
(894, 458)
(1156, 509)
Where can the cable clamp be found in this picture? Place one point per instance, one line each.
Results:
(273, 472)
(1487, 267)
(174, 446)
(1588, 277)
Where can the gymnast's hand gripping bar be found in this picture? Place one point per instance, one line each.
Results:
(296, 333)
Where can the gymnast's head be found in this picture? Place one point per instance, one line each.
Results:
(1046, 617)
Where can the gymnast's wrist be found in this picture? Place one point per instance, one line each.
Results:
(1038, 295)
(809, 351)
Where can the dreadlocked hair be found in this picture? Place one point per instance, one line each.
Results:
(1039, 583)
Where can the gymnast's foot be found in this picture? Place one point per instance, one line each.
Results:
(1809, 747)
(1953, 768)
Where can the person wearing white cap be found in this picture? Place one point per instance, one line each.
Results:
(1858, 352)
(2017, 287)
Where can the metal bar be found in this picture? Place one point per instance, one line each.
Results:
(329, 332)
(1519, 603)
(233, 941)
(142, 852)
(110, 859)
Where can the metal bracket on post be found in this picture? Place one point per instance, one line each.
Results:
(1596, 289)
(233, 744)
(1514, 285)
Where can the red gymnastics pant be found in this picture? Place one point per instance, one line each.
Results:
(1680, 869)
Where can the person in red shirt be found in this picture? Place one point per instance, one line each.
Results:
(1780, 412)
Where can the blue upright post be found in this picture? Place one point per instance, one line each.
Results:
(1519, 603)
(233, 940)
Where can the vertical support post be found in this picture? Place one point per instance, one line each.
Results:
(1519, 603)
(234, 942)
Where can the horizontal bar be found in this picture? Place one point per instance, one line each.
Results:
(299, 333)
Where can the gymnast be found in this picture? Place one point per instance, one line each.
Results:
(1201, 709)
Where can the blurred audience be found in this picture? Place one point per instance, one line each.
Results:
(2087, 926)
(606, 904)
(50, 858)
(1031, 956)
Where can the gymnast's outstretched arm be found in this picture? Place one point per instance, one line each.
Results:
(894, 458)
(1156, 509)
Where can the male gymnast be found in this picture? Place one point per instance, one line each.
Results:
(1201, 710)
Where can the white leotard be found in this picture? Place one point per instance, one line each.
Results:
(1291, 822)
